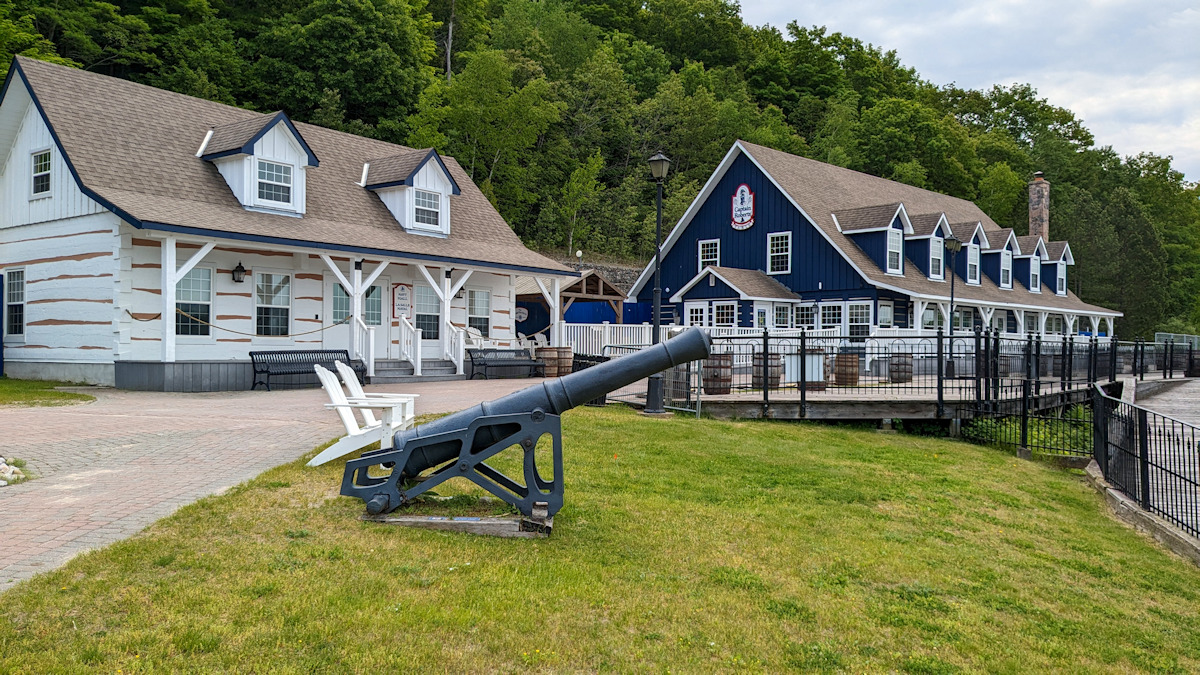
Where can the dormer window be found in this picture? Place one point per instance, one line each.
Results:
(973, 264)
(1006, 259)
(895, 251)
(428, 206)
(937, 252)
(1035, 275)
(274, 183)
(1062, 278)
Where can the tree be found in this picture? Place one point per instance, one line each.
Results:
(1001, 194)
(898, 131)
(578, 195)
(374, 53)
(18, 36)
(1141, 267)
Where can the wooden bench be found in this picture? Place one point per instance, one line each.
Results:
(298, 362)
(484, 360)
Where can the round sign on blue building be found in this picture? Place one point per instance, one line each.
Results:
(743, 207)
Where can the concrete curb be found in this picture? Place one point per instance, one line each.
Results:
(1131, 513)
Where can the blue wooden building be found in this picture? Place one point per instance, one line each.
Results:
(779, 241)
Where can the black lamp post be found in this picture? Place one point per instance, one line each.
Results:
(659, 165)
(953, 245)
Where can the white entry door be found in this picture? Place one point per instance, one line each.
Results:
(427, 318)
(338, 306)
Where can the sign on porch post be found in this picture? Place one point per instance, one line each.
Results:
(401, 300)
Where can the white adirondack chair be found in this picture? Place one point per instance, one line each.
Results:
(405, 405)
(358, 437)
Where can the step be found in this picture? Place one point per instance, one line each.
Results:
(412, 379)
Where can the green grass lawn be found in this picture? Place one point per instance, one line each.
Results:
(684, 546)
(37, 392)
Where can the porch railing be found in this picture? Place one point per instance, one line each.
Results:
(410, 344)
(456, 344)
(364, 344)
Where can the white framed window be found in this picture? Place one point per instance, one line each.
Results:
(1006, 269)
(725, 314)
(1035, 275)
(932, 319)
(779, 253)
(831, 316)
(783, 316)
(274, 183)
(964, 319)
(1055, 324)
(1062, 278)
(885, 314)
(479, 310)
(973, 264)
(14, 303)
(859, 315)
(427, 209)
(193, 295)
(937, 254)
(708, 254)
(272, 304)
(697, 314)
(1031, 322)
(1000, 321)
(39, 165)
(427, 312)
(372, 305)
(895, 251)
(806, 317)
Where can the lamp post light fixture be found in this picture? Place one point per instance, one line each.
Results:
(659, 165)
(238, 273)
(578, 260)
(953, 245)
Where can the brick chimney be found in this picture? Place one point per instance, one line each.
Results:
(1039, 206)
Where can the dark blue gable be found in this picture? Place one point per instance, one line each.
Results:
(960, 259)
(989, 261)
(815, 262)
(917, 251)
(718, 291)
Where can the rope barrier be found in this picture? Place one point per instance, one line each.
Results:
(158, 316)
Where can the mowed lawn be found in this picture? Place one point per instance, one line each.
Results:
(37, 392)
(684, 546)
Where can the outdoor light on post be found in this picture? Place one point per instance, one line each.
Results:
(953, 245)
(659, 165)
(578, 260)
(238, 273)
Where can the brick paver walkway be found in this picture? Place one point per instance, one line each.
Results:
(111, 467)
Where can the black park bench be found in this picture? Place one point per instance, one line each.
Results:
(299, 362)
(483, 361)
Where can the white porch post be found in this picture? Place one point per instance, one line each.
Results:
(346, 286)
(444, 333)
(1020, 314)
(919, 314)
(552, 302)
(171, 274)
(558, 320)
(1042, 316)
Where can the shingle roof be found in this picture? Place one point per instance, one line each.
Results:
(755, 283)
(1056, 249)
(964, 231)
(866, 218)
(111, 145)
(924, 224)
(823, 189)
(235, 135)
(1028, 243)
(1001, 236)
(396, 168)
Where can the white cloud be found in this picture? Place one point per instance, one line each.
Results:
(1128, 68)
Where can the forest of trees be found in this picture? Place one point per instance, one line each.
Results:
(553, 107)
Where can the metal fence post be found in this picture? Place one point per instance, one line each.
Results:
(1062, 366)
(995, 369)
(1037, 365)
(803, 373)
(978, 368)
(1188, 371)
(766, 368)
(1023, 451)
(1114, 356)
(1144, 457)
(941, 375)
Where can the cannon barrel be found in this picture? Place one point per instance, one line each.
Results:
(554, 396)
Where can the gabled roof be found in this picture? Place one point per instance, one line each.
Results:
(1032, 244)
(401, 168)
(818, 190)
(964, 232)
(750, 284)
(590, 283)
(238, 138)
(1001, 237)
(1060, 250)
(106, 129)
(927, 224)
(871, 218)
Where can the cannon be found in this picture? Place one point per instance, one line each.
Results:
(460, 444)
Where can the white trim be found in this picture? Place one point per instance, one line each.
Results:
(978, 229)
(899, 268)
(906, 225)
(1035, 288)
(943, 225)
(700, 253)
(256, 180)
(678, 296)
(212, 295)
(1060, 279)
(974, 248)
(941, 246)
(787, 234)
(727, 303)
(891, 312)
(1006, 255)
(291, 306)
(49, 173)
(18, 337)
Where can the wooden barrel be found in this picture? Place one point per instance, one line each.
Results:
(774, 370)
(718, 374)
(900, 367)
(549, 355)
(845, 370)
(566, 360)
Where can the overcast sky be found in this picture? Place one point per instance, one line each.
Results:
(1130, 69)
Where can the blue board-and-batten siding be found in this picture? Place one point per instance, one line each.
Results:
(917, 252)
(815, 262)
(718, 291)
(874, 244)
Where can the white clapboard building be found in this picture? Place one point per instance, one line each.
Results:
(151, 240)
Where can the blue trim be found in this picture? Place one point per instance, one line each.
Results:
(15, 69)
(409, 179)
(248, 148)
(240, 236)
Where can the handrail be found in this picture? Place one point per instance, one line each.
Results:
(455, 346)
(365, 333)
(410, 345)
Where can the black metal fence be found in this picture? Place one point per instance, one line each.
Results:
(1152, 458)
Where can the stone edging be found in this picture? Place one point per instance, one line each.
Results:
(1131, 512)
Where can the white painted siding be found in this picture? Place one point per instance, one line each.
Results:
(16, 177)
(69, 270)
(235, 172)
(280, 145)
(397, 199)
(431, 177)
